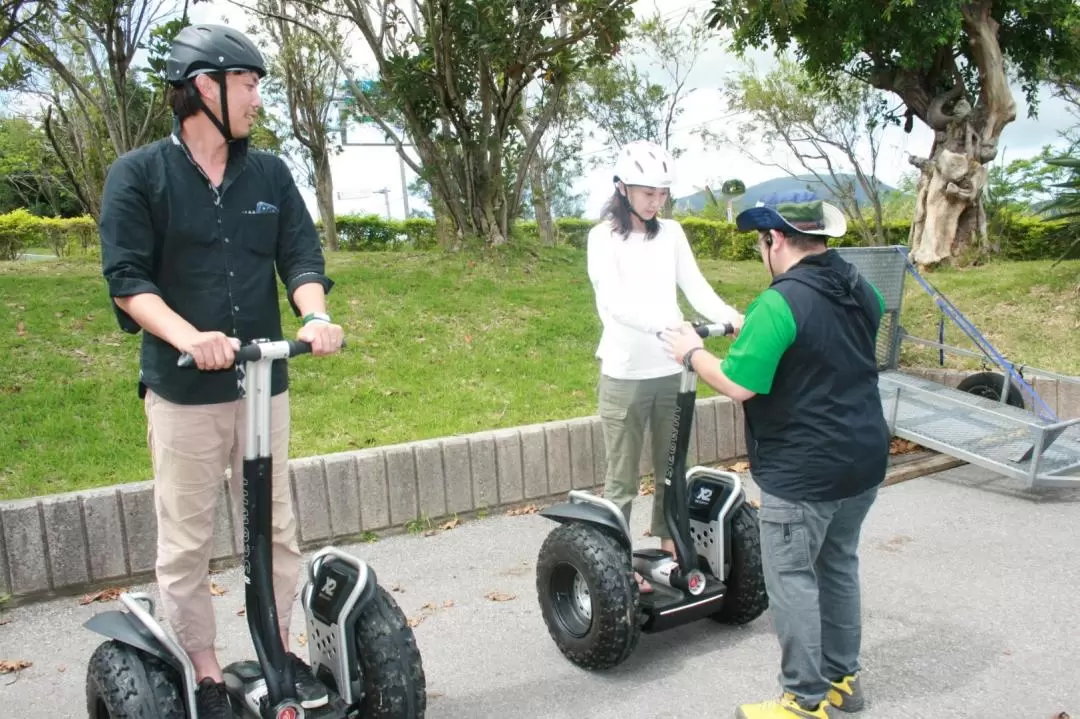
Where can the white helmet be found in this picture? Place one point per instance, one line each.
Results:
(645, 163)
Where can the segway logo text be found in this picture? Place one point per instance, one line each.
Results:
(328, 588)
(704, 495)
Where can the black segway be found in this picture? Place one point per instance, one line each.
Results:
(360, 644)
(585, 570)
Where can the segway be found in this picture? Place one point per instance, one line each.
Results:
(585, 581)
(359, 643)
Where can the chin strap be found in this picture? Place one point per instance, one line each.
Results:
(626, 203)
(193, 93)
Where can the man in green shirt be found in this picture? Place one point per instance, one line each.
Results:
(804, 368)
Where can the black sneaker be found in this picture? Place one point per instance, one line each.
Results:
(212, 701)
(310, 691)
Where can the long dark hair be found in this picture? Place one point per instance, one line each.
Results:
(617, 209)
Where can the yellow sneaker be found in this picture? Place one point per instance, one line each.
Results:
(786, 708)
(846, 694)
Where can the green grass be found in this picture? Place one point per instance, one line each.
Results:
(439, 345)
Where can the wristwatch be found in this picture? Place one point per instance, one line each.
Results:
(687, 363)
(316, 317)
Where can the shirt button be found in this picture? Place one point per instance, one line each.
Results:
(231, 273)
(226, 240)
(235, 308)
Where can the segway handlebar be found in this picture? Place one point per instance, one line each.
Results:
(255, 351)
(714, 330)
(705, 329)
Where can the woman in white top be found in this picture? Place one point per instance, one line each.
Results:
(636, 262)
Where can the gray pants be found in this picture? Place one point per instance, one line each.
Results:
(627, 407)
(810, 556)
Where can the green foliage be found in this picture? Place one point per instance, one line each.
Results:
(1021, 238)
(1065, 207)
(909, 47)
(65, 236)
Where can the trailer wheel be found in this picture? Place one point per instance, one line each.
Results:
(990, 385)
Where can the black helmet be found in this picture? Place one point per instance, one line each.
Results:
(215, 49)
(211, 48)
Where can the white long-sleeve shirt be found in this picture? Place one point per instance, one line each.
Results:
(635, 281)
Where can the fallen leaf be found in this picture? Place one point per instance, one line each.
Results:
(739, 467)
(13, 665)
(429, 606)
(105, 595)
(500, 596)
(397, 588)
(896, 543)
(241, 611)
(527, 509)
(415, 621)
(451, 524)
(215, 590)
(754, 503)
(61, 669)
(902, 446)
(20, 329)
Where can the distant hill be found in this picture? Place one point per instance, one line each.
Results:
(696, 201)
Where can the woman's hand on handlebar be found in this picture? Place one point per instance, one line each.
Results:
(325, 338)
(736, 324)
(211, 350)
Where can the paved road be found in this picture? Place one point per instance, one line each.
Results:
(971, 604)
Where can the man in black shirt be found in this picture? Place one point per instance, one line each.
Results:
(193, 229)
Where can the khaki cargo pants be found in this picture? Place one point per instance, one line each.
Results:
(627, 407)
(191, 445)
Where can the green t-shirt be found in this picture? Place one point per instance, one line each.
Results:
(767, 332)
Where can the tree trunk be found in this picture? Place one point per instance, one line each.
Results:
(324, 196)
(949, 213)
(541, 202)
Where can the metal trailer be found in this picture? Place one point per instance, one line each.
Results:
(996, 421)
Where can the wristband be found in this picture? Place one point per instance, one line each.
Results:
(686, 357)
(316, 317)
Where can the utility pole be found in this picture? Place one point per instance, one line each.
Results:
(385, 192)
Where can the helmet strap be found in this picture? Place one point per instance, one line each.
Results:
(625, 199)
(223, 123)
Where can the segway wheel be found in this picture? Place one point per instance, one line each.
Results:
(746, 598)
(125, 683)
(394, 683)
(588, 596)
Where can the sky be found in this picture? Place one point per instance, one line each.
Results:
(368, 179)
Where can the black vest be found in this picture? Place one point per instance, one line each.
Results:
(820, 433)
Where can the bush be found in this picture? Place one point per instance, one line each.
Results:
(1023, 237)
(66, 237)
(1020, 237)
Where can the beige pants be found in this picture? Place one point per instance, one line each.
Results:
(191, 445)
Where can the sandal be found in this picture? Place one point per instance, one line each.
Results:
(643, 585)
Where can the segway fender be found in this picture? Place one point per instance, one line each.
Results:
(123, 627)
(593, 514)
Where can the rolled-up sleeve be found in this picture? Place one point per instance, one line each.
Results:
(127, 238)
(299, 254)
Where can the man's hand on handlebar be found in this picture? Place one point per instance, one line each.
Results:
(680, 340)
(325, 338)
(211, 350)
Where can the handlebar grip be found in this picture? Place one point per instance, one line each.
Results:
(252, 353)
